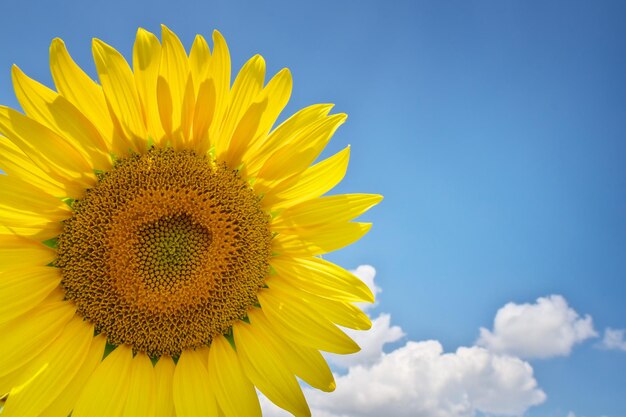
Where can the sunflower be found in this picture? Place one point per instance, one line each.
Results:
(161, 242)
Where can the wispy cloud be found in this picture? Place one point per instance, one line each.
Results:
(614, 339)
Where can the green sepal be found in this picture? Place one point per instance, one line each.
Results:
(69, 201)
(108, 349)
(51, 243)
(231, 339)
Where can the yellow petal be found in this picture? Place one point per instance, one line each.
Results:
(256, 158)
(164, 376)
(15, 163)
(187, 112)
(300, 151)
(312, 183)
(19, 195)
(141, 388)
(305, 362)
(37, 233)
(176, 121)
(325, 210)
(16, 377)
(27, 336)
(203, 116)
(23, 252)
(339, 312)
(60, 363)
(264, 366)
(23, 288)
(33, 96)
(199, 61)
(219, 72)
(166, 109)
(312, 367)
(58, 114)
(175, 86)
(146, 61)
(245, 131)
(65, 402)
(246, 87)
(174, 65)
(285, 176)
(19, 219)
(321, 277)
(57, 295)
(53, 155)
(319, 240)
(343, 314)
(277, 91)
(301, 323)
(76, 86)
(106, 391)
(235, 393)
(192, 392)
(119, 88)
(28, 225)
(20, 251)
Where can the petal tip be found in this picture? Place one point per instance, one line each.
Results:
(142, 32)
(57, 42)
(165, 31)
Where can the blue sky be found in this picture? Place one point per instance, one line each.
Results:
(496, 130)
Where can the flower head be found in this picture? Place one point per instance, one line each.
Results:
(160, 241)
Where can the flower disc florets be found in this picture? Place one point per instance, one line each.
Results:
(165, 252)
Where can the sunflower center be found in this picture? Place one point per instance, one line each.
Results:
(166, 251)
(171, 247)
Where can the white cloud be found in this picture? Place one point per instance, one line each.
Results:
(614, 339)
(571, 414)
(419, 379)
(541, 330)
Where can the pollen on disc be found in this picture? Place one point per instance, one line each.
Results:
(167, 250)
